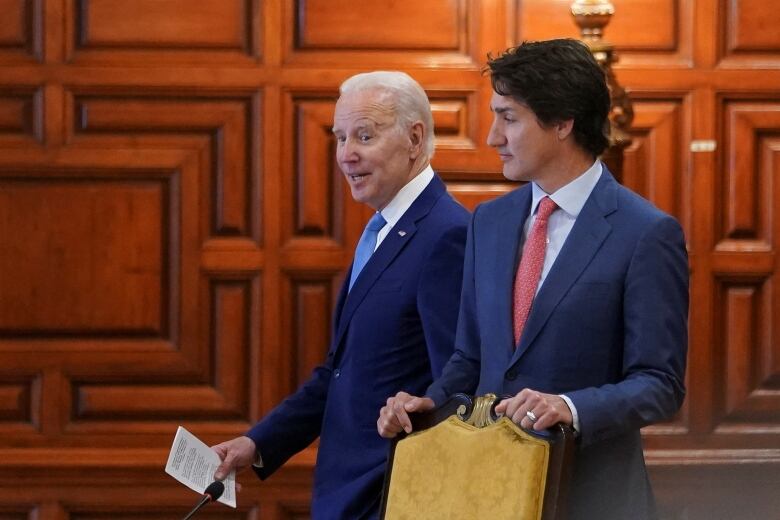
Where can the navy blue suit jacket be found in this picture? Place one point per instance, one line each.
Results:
(393, 331)
(608, 328)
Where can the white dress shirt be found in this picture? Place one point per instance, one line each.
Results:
(570, 200)
(396, 208)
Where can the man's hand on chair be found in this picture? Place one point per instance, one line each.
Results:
(394, 416)
(535, 410)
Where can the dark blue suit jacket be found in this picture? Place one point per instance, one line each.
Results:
(394, 331)
(608, 328)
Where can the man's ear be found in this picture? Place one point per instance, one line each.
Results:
(564, 128)
(416, 139)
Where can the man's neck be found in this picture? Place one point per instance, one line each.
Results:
(564, 170)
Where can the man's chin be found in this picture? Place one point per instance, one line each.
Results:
(360, 195)
(513, 175)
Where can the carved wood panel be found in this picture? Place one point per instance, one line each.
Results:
(147, 31)
(380, 25)
(17, 29)
(668, 41)
(749, 26)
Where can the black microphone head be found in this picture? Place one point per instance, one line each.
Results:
(215, 490)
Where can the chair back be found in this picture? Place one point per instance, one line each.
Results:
(462, 462)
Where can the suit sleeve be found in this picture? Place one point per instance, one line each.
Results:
(438, 295)
(461, 373)
(294, 423)
(655, 322)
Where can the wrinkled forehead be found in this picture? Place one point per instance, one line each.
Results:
(374, 106)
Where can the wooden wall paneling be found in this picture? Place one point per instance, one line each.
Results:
(118, 484)
(666, 41)
(140, 23)
(628, 28)
(121, 290)
(655, 163)
(464, 155)
(150, 32)
(745, 394)
(471, 168)
(237, 325)
(18, 33)
(379, 25)
(323, 222)
(701, 167)
(267, 380)
(232, 181)
(319, 232)
(102, 389)
(745, 38)
(321, 32)
(454, 119)
(751, 130)
(750, 27)
(462, 119)
(20, 403)
(21, 116)
(746, 297)
(471, 193)
(14, 28)
(218, 394)
(315, 185)
(307, 307)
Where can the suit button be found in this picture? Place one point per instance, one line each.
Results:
(511, 375)
(337, 373)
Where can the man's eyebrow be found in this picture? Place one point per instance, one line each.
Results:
(361, 126)
(500, 110)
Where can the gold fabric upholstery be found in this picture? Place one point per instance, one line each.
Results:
(458, 471)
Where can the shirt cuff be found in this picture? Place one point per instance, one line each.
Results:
(258, 463)
(575, 419)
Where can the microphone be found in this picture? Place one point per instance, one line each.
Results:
(211, 494)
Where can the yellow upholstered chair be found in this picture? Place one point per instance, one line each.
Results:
(461, 462)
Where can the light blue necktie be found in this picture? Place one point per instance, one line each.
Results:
(366, 246)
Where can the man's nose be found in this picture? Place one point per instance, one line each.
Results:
(346, 152)
(495, 137)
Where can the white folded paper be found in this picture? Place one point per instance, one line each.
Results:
(193, 464)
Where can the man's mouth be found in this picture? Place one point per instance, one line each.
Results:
(357, 177)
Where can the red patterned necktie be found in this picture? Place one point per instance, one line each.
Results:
(530, 270)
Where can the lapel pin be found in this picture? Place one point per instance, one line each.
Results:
(402, 233)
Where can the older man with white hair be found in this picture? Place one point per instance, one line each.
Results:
(395, 319)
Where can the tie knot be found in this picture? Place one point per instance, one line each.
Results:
(376, 223)
(546, 207)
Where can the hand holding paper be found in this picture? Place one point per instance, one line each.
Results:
(236, 454)
(193, 463)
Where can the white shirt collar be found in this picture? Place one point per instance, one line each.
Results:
(396, 208)
(571, 197)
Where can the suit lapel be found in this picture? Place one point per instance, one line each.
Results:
(394, 242)
(505, 245)
(585, 239)
(342, 298)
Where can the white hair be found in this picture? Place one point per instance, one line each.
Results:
(410, 101)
